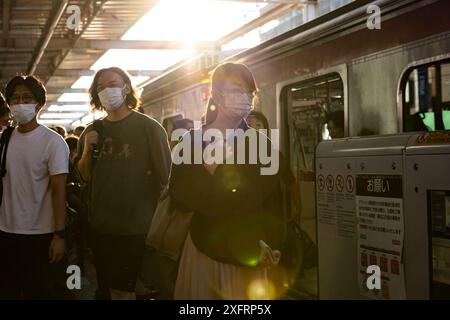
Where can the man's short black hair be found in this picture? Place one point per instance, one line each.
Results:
(32, 83)
(79, 128)
(72, 142)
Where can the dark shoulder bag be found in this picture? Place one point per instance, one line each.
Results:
(4, 141)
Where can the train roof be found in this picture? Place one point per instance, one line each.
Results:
(347, 19)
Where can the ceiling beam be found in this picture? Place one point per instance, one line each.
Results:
(67, 103)
(106, 44)
(51, 90)
(275, 1)
(52, 22)
(6, 18)
(137, 44)
(85, 72)
(274, 13)
(96, 11)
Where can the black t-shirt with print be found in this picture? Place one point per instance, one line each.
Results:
(132, 165)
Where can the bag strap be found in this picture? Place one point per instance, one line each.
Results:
(98, 126)
(4, 142)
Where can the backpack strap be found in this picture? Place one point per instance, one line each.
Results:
(4, 141)
(98, 126)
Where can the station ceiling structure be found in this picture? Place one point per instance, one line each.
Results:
(64, 41)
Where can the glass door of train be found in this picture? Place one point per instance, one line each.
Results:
(308, 107)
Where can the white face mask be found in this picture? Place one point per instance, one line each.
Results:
(24, 112)
(239, 104)
(111, 98)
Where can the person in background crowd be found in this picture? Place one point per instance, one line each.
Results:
(335, 124)
(126, 160)
(32, 211)
(415, 122)
(5, 113)
(78, 131)
(61, 131)
(177, 123)
(258, 120)
(234, 205)
(72, 143)
(78, 222)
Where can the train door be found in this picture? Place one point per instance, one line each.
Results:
(308, 105)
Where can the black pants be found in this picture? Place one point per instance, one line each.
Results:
(118, 261)
(160, 274)
(24, 266)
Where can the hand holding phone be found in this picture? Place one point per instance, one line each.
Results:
(268, 256)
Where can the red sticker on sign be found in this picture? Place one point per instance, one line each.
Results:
(394, 267)
(384, 264)
(373, 260)
(364, 259)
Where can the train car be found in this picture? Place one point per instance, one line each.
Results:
(387, 80)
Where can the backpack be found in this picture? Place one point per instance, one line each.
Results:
(4, 141)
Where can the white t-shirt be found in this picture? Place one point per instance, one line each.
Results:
(31, 159)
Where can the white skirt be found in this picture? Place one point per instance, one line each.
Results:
(202, 278)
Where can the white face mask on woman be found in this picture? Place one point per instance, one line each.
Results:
(24, 112)
(238, 103)
(111, 98)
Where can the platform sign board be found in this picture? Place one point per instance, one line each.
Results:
(360, 218)
(397, 189)
(380, 233)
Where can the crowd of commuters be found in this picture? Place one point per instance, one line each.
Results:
(98, 187)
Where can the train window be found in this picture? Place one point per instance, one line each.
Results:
(426, 97)
(311, 105)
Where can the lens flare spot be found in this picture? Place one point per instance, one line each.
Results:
(212, 108)
(233, 190)
(260, 289)
(252, 263)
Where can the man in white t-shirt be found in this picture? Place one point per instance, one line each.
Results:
(32, 211)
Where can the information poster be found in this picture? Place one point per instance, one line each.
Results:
(380, 231)
(336, 203)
